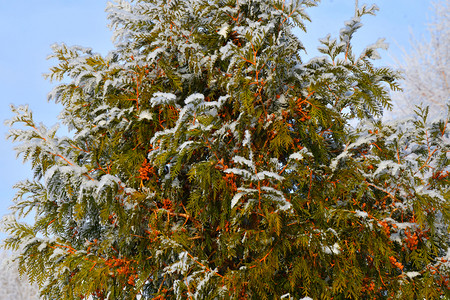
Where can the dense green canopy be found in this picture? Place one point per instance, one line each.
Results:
(207, 160)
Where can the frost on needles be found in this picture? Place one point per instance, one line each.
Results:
(207, 160)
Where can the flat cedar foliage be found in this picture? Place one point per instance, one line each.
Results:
(208, 160)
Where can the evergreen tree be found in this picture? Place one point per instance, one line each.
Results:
(208, 161)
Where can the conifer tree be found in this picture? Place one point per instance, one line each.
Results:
(208, 161)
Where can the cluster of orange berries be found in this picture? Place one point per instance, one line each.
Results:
(145, 170)
(132, 278)
(123, 267)
(167, 204)
(118, 262)
(386, 228)
(411, 240)
(230, 180)
(395, 262)
(369, 287)
(112, 218)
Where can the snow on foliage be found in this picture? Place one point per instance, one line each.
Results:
(209, 161)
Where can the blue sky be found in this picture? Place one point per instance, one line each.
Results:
(28, 28)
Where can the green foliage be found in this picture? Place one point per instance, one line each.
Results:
(207, 160)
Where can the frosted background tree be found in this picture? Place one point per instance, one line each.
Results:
(427, 68)
(12, 285)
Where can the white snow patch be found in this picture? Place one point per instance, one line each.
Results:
(162, 98)
(247, 138)
(194, 98)
(262, 175)
(145, 115)
(335, 249)
(412, 274)
(361, 214)
(223, 30)
(243, 161)
(300, 154)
